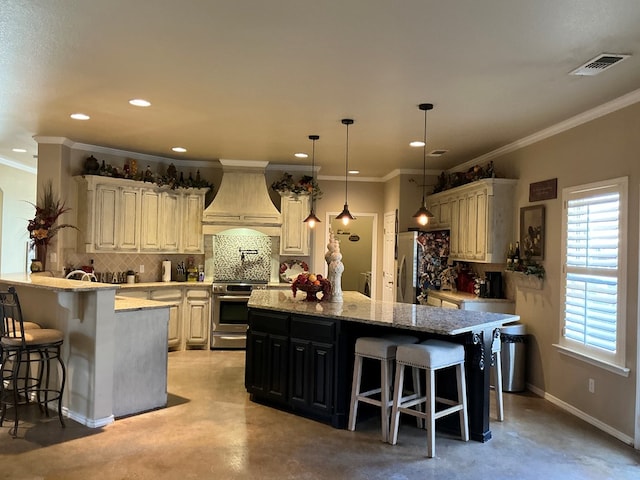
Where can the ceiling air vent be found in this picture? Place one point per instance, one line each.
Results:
(437, 153)
(599, 64)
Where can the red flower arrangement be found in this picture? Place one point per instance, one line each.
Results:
(311, 284)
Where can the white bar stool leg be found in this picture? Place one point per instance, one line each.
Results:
(355, 391)
(397, 400)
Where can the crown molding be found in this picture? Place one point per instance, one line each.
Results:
(573, 122)
(18, 165)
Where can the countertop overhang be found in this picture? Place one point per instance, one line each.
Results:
(360, 308)
(54, 283)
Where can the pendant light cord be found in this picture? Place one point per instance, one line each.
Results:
(313, 173)
(424, 158)
(346, 166)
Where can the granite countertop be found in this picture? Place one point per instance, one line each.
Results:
(53, 283)
(173, 284)
(360, 308)
(460, 297)
(126, 304)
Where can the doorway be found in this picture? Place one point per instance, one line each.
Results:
(358, 245)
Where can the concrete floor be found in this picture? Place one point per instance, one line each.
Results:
(211, 430)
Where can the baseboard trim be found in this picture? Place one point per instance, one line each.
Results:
(582, 415)
(88, 422)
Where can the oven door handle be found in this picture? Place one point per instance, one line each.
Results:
(231, 298)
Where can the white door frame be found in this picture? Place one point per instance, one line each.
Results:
(374, 243)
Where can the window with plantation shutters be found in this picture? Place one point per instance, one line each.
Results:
(594, 258)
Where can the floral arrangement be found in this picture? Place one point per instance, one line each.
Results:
(305, 186)
(42, 228)
(311, 283)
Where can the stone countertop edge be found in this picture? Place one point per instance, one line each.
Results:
(460, 297)
(126, 304)
(128, 286)
(360, 308)
(54, 283)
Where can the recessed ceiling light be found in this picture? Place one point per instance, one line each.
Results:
(417, 143)
(80, 116)
(19, 150)
(354, 172)
(139, 102)
(179, 149)
(300, 155)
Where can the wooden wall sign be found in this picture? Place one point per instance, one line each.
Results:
(545, 190)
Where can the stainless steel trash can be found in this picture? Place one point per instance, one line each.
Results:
(513, 355)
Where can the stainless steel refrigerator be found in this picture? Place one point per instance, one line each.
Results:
(422, 256)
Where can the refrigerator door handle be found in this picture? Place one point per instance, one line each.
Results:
(402, 278)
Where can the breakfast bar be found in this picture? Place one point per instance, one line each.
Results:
(115, 348)
(300, 353)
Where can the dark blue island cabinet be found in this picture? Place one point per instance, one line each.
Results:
(292, 363)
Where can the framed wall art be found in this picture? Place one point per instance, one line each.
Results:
(532, 232)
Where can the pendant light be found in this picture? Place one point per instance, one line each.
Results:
(311, 220)
(423, 215)
(345, 215)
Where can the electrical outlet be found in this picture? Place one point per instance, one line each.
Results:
(592, 385)
(141, 269)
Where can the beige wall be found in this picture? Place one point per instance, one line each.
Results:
(601, 149)
(17, 196)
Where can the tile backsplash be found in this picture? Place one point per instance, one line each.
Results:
(242, 257)
(121, 262)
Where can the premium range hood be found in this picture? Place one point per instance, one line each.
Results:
(242, 200)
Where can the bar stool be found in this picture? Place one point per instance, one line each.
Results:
(21, 348)
(382, 349)
(496, 349)
(431, 355)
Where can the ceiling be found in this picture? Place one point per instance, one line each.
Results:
(251, 79)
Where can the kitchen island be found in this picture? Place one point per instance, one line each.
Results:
(115, 349)
(300, 354)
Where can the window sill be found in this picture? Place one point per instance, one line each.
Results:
(611, 367)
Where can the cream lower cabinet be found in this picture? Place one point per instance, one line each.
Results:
(124, 215)
(173, 296)
(189, 313)
(480, 216)
(294, 239)
(196, 317)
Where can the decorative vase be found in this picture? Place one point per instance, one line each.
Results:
(41, 255)
(36, 266)
(335, 266)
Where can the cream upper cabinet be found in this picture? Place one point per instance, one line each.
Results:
(441, 210)
(480, 218)
(192, 233)
(150, 234)
(170, 218)
(294, 238)
(130, 216)
(107, 213)
(129, 235)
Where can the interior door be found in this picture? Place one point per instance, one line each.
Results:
(388, 258)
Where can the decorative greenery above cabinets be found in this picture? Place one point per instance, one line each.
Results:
(131, 171)
(306, 185)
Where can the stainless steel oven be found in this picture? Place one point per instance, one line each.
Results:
(230, 314)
